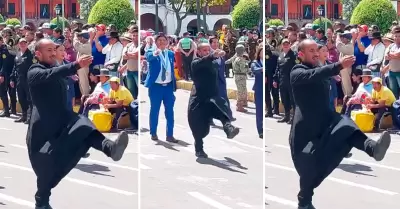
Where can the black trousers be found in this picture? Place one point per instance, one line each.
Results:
(5, 92)
(287, 97)
(24, 98)
(270, 90)
(46, 180)
(310, 167)
(187, 65)
(227, 70)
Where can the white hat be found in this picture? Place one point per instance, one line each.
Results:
(309, 26)
(46, 25)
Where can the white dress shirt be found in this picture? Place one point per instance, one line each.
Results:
(167, 64)
(375, 54)
(113, 53)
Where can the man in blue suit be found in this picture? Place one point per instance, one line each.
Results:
(220, 65)
(161, 83)
(257, 69)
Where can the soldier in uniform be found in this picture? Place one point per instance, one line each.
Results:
(252, 44)
(23, 61)
(287, 60)
(271, 61)
(7, 64)
(270, 38)
(231, 42)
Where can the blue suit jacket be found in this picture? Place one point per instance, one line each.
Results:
(257, 69)
(221, 78)
(155, 68)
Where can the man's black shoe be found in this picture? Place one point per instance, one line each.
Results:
(284, 120)
(269, 115)
(20, 120)
(290, 122)
(154, 138)
(172, 139)
(44, 207)
(261, 136)
(4, 114)
(231, 131)
(201, 154)
(307, 207)
(119, 146)
(382, 145)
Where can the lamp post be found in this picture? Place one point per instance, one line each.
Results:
(156, 23)
(58, 13)
(320, 11)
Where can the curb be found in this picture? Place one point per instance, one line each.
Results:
(187, 85)
(76, 107)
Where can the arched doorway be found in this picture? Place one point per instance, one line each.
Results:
(220, 22)
(294, 25)
(192, 27)
(148, 21)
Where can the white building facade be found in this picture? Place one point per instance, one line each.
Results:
(167, 19)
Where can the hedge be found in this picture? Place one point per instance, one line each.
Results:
(275, 22)
(13, 21)
(117, 12)
(60, 24)
(246, 14)
(374, 12)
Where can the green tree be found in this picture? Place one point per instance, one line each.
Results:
(206, 4)
(85, 7)
(117, 12)
(60, 22)
(276, 22)
(246, 14)
(376, 12)
(348, 7)
(13, 21)
(321, 22)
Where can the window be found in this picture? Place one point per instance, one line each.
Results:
(73, 10)
(323, 10)
(336, 11)
(11, 8)
(44, 11)
(307, 12)
(274, 10)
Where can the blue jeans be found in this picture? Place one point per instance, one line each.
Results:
(132, 82)
(394, 83)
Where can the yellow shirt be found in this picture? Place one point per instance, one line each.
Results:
(122, 94)
(384, 94)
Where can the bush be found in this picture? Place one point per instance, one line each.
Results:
(374, 12)
(322, 23)
(117, 12)
(13, 21)
(275, 22)
(60, 24)
(246, 14)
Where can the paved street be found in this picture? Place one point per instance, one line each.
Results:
(231, 178)
(96, 183)
(230, 83)
(358, 183)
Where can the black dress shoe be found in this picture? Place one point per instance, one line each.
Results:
(269, 115)
(154, 138)
(382, 145)
(44, 207)
(13, 112)
(201, 154)
(231, 131)
(290, 122)
(307, 207)
(261, 136)
(119, 146)
(172, 139)
(20, 120)
(4, 114)
(284, 120)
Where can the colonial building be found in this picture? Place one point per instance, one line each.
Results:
(216, 17)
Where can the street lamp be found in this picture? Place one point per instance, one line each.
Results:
(320, 11)
(57, 8)
(156, 24)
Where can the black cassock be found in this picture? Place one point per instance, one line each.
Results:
(205, 102)
(319, 137)
(56, 135)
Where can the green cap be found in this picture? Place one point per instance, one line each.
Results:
(53, 26)
(315, 27)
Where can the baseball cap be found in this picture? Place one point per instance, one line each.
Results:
(101, 27)
(377, 80)
(114, 79)
(285, 41)
(364, 28)
(22, 40)
(46, 25)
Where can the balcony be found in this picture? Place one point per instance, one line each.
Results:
(214, 10)
(300, 16)
(152, 1)
(32, 15)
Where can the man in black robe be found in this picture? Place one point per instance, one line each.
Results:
(320, 138)
(57, 137)
(205, 102)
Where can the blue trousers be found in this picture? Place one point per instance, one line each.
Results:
(165, 94)
(132, 83)
(259, 100)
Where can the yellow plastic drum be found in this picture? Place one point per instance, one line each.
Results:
(364, 120)
(102, 120)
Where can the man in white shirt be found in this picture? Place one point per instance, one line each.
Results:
(161, 83)
(376, 53)
(113, 52)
